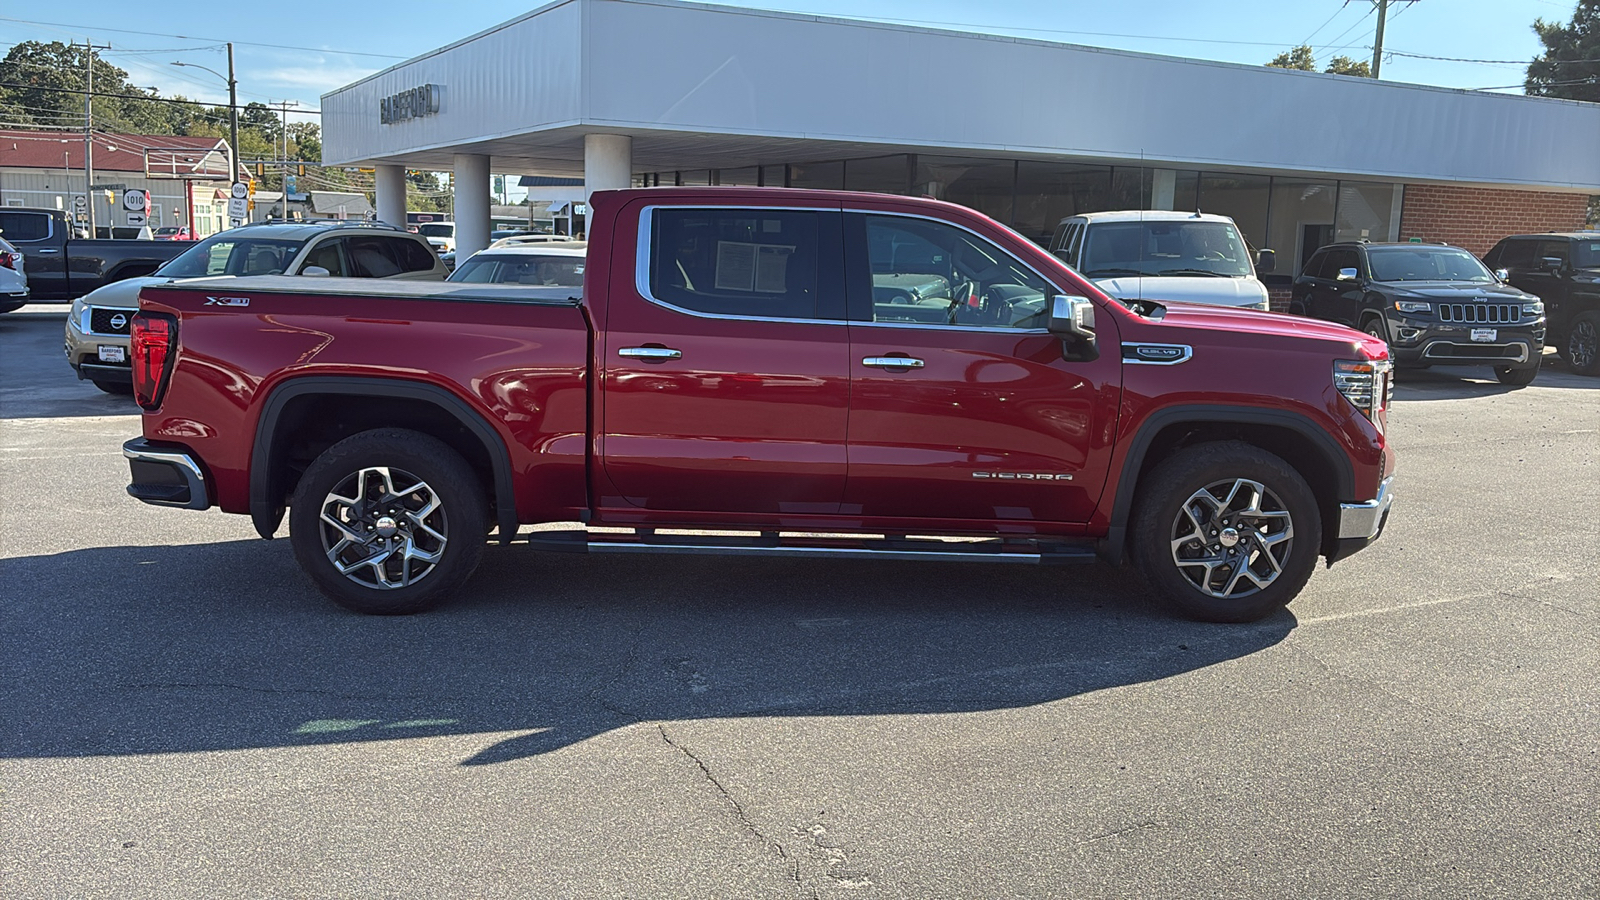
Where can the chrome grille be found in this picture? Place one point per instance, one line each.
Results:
(1481, 313)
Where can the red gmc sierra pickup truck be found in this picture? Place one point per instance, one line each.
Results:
(770, 372)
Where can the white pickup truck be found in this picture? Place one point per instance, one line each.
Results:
(1163, 255)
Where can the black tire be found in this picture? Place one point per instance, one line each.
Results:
(410, 470)
(1217, 591)
(1374, 326)
(120, 388)
(1518, 377)
(1581, 344)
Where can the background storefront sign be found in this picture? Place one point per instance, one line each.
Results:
(409, 104)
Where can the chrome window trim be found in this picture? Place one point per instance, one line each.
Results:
(1187, 354)
(641, 269)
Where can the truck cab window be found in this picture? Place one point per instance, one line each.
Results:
(736, 262)
(931, 273)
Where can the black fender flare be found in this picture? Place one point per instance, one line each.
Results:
(267, 515)
(1113, 545)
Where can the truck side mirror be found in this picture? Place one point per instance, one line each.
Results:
(1347, 274)
(1266, 261)
(1072, 320)
(315, 270)
(1553, 263)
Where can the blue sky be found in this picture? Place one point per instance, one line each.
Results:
(353, 38)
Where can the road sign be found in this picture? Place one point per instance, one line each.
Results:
(240, 190)
(238, 207)
(133, 199)
(137, 219)
(79, 203)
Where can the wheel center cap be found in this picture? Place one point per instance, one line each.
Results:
(388, 527)
(1228, 538)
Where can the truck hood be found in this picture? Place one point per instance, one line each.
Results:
(1190, 289)
(123, 294)
(1216, 318)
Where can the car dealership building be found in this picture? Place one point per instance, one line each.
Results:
(652, 92)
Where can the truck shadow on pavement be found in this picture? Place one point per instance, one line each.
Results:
(170, 649)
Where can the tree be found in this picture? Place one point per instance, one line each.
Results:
(1570, 66)
(1344, 65)
(1303, 59)
(1300, 58)
(42, 84)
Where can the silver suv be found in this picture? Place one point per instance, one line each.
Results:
(97, 328)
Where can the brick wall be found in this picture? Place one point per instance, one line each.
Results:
(1477, 218)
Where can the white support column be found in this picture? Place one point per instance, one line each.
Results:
(607, 163)
(471, 186)
(1163, 188)
(391, 184)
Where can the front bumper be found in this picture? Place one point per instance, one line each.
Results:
(165, 476)
(1362, 523)
(83, 345)
(1418, 341)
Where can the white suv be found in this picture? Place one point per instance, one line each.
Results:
(1164, 255)
(97, 327)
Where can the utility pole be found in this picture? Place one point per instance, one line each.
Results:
(88, 128)
(233, 121)
(1377, 45)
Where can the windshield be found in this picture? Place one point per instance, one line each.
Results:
(223, 254)
(1586, 254)
(521, 268)
(1423, 263)
(437, 229)
(1177, 249)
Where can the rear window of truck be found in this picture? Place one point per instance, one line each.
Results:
(735, 262)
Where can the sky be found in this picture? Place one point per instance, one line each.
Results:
(280, 56)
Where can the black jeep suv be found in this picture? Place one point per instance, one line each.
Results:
(1435, 305)
(1564, 271)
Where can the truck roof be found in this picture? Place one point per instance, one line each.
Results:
(1147, 215)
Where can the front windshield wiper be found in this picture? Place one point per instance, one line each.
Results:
(1194, 272)
(1098, 272)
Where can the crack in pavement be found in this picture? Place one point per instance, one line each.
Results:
(1119, 832)
(740, 815)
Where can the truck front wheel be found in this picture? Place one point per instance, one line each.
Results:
(388, 522)
(1226, 532)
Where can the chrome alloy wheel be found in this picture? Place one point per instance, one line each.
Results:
(383, 528)
(1582, 344)
(1232, 538)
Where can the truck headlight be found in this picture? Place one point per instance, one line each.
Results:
(1366, 383)
(1413, 306)
(1533, 308)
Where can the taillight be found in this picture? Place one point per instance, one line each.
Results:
(1367, 384)
(8, 260)
(155, 344)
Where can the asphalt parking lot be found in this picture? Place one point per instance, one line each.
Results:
(182, 715)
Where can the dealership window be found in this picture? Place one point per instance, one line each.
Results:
(1302, 221)
(695, 177)
(828, 176)
(1368, 212)
(986, 185)
(774, 176)
(881, 174)
(748, 177)
(1130, 188)
(1242, 198)
(735, 262)
(1050, 192)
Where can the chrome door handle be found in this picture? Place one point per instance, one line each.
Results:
(654, 353)
(47, 251)
(892, 362)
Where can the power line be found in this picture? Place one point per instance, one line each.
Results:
(185, 37)
(222, 105)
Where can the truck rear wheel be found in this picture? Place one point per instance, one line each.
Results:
(1581, 346)
(1226, 532)
(388, 522)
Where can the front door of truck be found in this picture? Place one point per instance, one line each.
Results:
(962, 408)
(725, 362)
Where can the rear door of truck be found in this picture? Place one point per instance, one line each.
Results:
(41, 238)
(724, 359)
